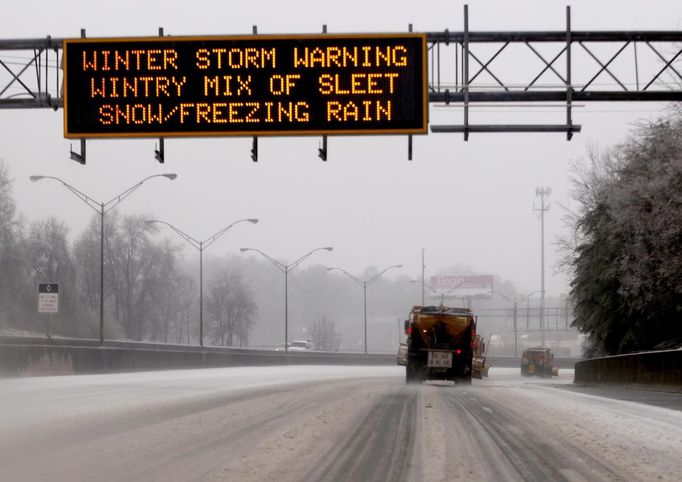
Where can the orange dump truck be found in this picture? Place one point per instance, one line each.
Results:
(440, 344)
(537, 361)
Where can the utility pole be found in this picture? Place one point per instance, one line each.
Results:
(542, 192)
(515, 332)
(423, 281)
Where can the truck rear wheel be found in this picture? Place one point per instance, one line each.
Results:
(463, 379)
(413, 372)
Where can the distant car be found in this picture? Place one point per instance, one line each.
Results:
(297, 345)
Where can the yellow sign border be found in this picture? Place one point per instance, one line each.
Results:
(293, 133)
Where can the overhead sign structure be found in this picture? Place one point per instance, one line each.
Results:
(245, 86)
(48, 297)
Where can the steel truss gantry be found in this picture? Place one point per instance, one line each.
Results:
(458, 71)
(25, 66)
(467, 69)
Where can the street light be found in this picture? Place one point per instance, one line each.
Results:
(442, 295)
(285, 268)
(528, 308)
(102, 208)
(365, 284)
(542, 192)
(200, 245)
(515, 303)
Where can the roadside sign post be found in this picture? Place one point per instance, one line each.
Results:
(48, 301)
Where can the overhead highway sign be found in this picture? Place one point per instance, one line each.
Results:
(245, 85)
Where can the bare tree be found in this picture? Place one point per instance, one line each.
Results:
(14, 267)
(324, 336)
(136, 269)
(168, 296)
(49, 250)
(231, 307)
(87, 256)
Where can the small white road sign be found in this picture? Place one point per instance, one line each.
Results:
(48, 297)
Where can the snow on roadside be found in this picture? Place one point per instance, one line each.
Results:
(644, 440)
(35, 401)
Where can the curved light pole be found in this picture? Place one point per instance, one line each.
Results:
(102, 208)
(542, 192)
(201, 245)
(515, 302)
(285, 268)
(528, 308)
(442, 295)
(365, 284)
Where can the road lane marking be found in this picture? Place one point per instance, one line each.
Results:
(489, 410)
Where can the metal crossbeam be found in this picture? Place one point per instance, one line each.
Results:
(27, 67)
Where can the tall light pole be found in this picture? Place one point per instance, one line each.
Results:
(365, 283)
(528, 308)
(542, 192)
(201, 245)
(423, 279)
(285, 268)
(515, 303)
(102, 208)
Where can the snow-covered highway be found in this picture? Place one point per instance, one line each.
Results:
(327, 423)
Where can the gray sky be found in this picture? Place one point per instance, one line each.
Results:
(465, 202)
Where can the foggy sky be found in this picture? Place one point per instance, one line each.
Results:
(467, 203)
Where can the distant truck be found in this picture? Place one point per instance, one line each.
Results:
(440, 344)
(537, 361)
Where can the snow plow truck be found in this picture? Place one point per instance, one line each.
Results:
(537, 361)
(440, 344)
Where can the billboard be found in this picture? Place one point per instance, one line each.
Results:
(463, 285)
(245, 85)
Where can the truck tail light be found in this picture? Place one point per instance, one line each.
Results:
(409, 330)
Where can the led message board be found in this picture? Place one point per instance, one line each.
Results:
(245, 85)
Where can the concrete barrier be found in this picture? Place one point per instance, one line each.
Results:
(40, 356)
(31, 356)
(658, 370)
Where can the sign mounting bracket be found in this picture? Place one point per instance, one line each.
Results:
(160, 153)
(322, 151)
(254, 143)
(79, 157)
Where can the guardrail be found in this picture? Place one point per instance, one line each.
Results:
(657, 370)
(34, 356)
